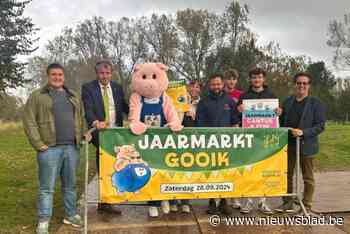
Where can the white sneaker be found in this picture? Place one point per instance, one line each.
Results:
(43, 228)
(173, 208)
(248, 207)
(165, 207)
(264, 208)
(185, 209)
(75, 221)
(153, 211)
(235, 203)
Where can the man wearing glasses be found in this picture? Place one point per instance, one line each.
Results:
(305, 115)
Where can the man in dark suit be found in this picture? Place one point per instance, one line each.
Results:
(104, 107)
(306, 116)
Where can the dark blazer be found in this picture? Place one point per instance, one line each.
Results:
(93, 104)
(312, 123)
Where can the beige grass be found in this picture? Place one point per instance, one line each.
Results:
(9, 125)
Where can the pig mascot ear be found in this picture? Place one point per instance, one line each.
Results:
(117, 149)
(161, 66)
(137, 67)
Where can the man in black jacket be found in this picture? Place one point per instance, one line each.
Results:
(217, 110)
(257, 90)
(306, 117)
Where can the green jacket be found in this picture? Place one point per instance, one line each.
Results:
(38, 119)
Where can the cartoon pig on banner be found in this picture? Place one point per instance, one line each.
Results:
(132, 173)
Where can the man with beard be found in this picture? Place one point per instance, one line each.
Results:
(217, 110)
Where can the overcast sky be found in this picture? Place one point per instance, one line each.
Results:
(299, 26)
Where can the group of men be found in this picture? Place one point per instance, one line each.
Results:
(56, 119)
(302, 113)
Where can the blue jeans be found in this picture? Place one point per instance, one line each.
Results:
(61, 160)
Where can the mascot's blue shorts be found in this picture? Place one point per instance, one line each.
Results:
(131, 178)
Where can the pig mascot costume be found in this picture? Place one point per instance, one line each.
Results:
(151, 107)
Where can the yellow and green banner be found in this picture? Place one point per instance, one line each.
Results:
(195, 163)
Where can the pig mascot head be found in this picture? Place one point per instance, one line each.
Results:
(149, 104)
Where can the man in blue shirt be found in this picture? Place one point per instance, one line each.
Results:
(217, 110)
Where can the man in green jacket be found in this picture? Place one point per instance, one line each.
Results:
(54, 123)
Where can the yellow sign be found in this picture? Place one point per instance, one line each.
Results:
(177, 91)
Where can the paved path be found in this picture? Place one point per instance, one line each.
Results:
(332, 192)
(331, 196)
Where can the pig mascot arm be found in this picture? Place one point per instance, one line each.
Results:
(171, 116)
(136, 126)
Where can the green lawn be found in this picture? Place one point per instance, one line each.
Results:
(335, 149)
(18, 183)
(18, 170)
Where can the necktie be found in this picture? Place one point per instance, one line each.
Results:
(106, 103)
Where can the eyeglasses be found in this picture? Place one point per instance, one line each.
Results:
(302, 83)
(255, 77)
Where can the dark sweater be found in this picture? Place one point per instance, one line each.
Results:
(294, 117)
(312, 122)
(251, 94)
(63, 112)
(217, 111)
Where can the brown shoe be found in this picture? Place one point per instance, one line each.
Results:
(212, 209)
(224, 207)
(108, 208)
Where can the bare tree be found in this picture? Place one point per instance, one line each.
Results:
(235, 21)
(117, 34)
(127, 46)
(36, 72)
(90, 39)
(195, 41)
(61, 48)
(161, 35)
(339, 38)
